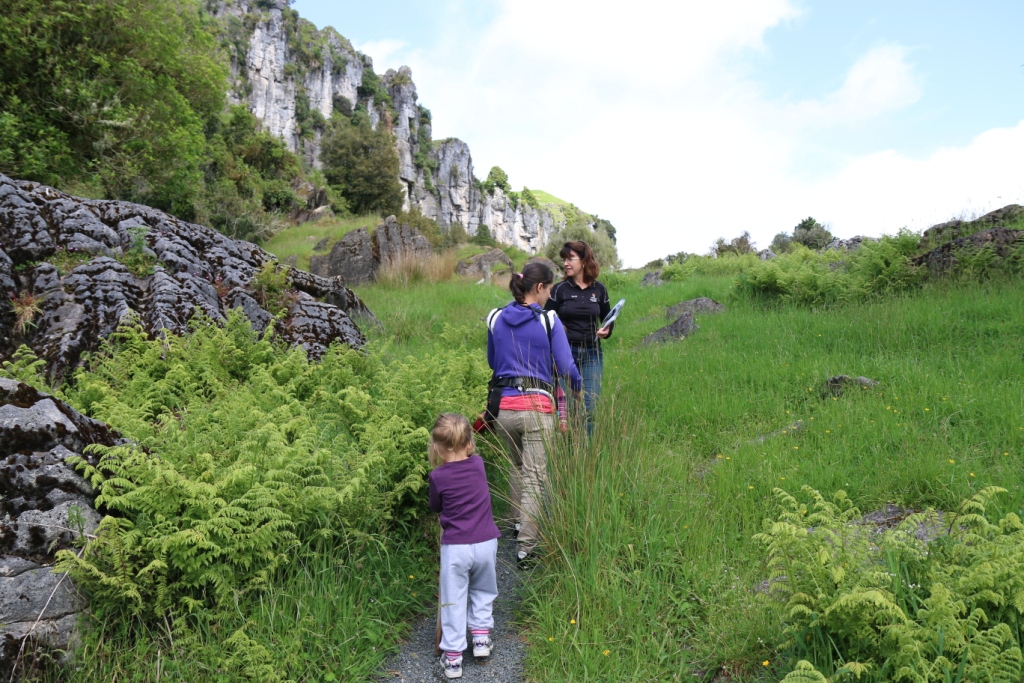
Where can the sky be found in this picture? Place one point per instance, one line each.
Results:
(683, 121)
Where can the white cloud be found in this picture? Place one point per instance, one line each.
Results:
(383, 52)
(878, 83)
(644, 113)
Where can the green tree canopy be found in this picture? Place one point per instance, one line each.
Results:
(579, 230)
(362, 165)
(812, 234)
(496, 178)
(112, 94)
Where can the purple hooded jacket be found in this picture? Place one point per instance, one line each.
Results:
(518, 347)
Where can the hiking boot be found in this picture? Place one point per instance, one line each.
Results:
(452, 667)
(525, 560)
(481, 646)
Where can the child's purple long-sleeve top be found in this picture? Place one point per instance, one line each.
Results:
(518, 347)
(458, 490)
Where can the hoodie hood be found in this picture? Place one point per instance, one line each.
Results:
(516, 315)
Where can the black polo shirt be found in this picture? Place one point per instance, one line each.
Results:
(580, 310)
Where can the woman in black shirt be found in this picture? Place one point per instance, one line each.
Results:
(582, 304)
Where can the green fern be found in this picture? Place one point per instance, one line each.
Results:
(891, 608)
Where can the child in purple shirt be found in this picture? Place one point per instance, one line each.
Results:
(469, 542)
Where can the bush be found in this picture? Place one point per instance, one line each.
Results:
(483, 237)
(106, 92)
(496, 178)
(810, 278)
(428, 226)
(811, 234)
(892, 607)
(245, 456)
(682, 266)
(738, 246)
(362, 164)
(578, 230)
(781, 243)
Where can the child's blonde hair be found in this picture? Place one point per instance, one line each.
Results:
(451, 432)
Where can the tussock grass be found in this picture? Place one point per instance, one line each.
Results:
(412, 269)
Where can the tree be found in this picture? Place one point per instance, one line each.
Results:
(110, 94)
(362, 164)
(579, 230)
(811, 234)
(781, 243)
(496, 178)
(738, 245)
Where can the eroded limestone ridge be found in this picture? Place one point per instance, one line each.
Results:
(73, 269)
(46, 506)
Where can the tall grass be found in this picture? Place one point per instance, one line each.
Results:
(648, 542)
(650, 528)
(411, 269)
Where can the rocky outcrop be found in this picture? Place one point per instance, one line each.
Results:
(491, 261)
(293, 93)
(357, 256)
(939, 234)
(652, 279)
(851, 244)
(79, 268)
(1002, 241)
(701, 304)
(682, 327)
(393, 241)
(46, 507)
(351, 258)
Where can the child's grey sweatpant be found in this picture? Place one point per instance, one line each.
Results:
(467, 570)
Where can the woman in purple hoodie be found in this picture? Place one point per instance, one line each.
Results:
(526, 348)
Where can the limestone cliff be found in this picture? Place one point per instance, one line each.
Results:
(293, 77)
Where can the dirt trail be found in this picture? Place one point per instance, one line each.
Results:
(416, 663)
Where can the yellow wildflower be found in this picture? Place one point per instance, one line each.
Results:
(572, 621)
(606, 653)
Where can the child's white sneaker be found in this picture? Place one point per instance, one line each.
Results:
(481, 646)
(452, 667)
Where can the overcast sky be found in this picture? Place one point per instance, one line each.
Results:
(683, 121)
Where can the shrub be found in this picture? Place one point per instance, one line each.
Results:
(738, 246)
(578, 230)
(428, 226)
(496, 178)
(781, 243)
(245, 457)
(682, 266)
(483, 237)
(811, 234)
(893, 607)
(810, 278)
(363, 165)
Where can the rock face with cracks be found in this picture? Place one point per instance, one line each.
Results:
(358, 255)
(492, 260)
(72, 270)
(46, 507)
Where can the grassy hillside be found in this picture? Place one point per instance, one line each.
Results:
(550, 201)
(299, 241)
(652, 570)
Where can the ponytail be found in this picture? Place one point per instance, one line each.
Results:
(533, 274)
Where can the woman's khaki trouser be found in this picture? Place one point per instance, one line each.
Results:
(527, 434)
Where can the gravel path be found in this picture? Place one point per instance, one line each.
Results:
(416, 663)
